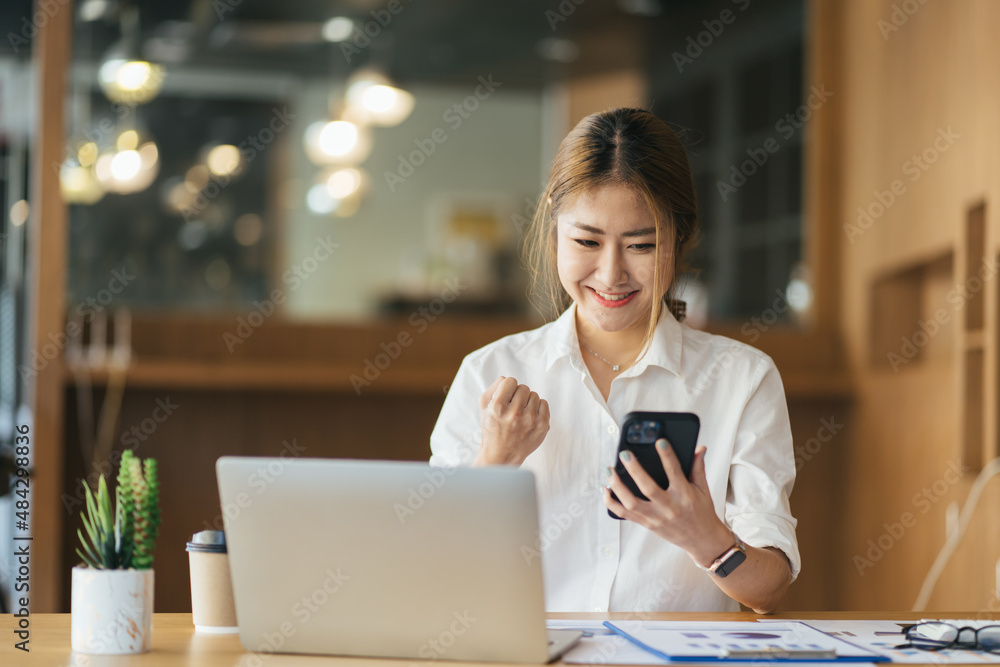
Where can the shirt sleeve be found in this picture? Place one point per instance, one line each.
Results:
(457, 435)
(762, 472)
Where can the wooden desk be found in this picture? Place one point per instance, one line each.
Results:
(175, 642)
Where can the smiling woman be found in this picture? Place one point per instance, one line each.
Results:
(625, 212)
(609, 269)
(620, 218)
(598, 164)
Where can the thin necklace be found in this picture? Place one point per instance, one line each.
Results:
(614, 367)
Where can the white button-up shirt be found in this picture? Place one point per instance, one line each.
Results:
(590, 561)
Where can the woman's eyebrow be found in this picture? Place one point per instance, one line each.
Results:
(633, 232)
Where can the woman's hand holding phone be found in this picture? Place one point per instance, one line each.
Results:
(682, 514)
(514, 421)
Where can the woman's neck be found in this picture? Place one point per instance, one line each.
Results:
(616, 347)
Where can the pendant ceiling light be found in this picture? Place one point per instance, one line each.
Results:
(131, 165)
(79, 185)
(337, 142)
(372, 98)
(125, 76)
(338, 191)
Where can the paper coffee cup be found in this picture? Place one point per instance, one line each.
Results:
(212, 605)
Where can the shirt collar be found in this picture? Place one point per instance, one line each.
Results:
(664, 351)
(562, 341)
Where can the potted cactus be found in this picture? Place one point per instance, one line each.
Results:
(112, 598)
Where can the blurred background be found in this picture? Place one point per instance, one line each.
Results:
(240, 227)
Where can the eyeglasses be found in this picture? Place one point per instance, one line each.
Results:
(935, 636)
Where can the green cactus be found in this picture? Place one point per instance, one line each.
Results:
(146, 491)
(125, 510)
(122, 538)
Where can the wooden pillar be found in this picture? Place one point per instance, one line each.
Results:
(47, 240)
(823, 236)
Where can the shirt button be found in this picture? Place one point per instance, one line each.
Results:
(612, 429)
(609, 551)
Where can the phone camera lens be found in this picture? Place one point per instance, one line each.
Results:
(649, 432)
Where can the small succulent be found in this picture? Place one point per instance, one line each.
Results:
(123, 536)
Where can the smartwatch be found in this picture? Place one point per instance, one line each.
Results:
(724, 565)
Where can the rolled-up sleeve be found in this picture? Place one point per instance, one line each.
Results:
(457, 435)
(763, 469)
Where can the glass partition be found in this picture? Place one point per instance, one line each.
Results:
(354, 160)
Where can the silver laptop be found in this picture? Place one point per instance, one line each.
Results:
(391, 559)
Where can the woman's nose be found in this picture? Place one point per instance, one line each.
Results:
(611, 270)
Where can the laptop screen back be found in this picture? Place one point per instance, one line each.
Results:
(376, 558)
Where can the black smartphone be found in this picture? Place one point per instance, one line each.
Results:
(641, 430)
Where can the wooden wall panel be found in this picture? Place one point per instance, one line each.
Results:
(919, 106)
(821, 431)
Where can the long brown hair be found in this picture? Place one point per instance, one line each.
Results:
(626, 147)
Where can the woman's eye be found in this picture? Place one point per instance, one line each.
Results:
(644, 246)
(586, 243)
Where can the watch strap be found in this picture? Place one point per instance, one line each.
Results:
(724, 565)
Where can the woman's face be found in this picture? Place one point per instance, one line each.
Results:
(606, 252)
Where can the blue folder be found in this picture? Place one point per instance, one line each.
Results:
(747, 648)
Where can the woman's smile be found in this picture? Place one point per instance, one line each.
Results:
(612, 299)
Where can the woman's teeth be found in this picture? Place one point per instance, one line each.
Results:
(613, 297)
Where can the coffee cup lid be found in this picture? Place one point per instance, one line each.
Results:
(208, 541)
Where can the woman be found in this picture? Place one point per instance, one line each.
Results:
(620, 215)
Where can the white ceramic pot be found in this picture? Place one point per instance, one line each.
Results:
(112, 611)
